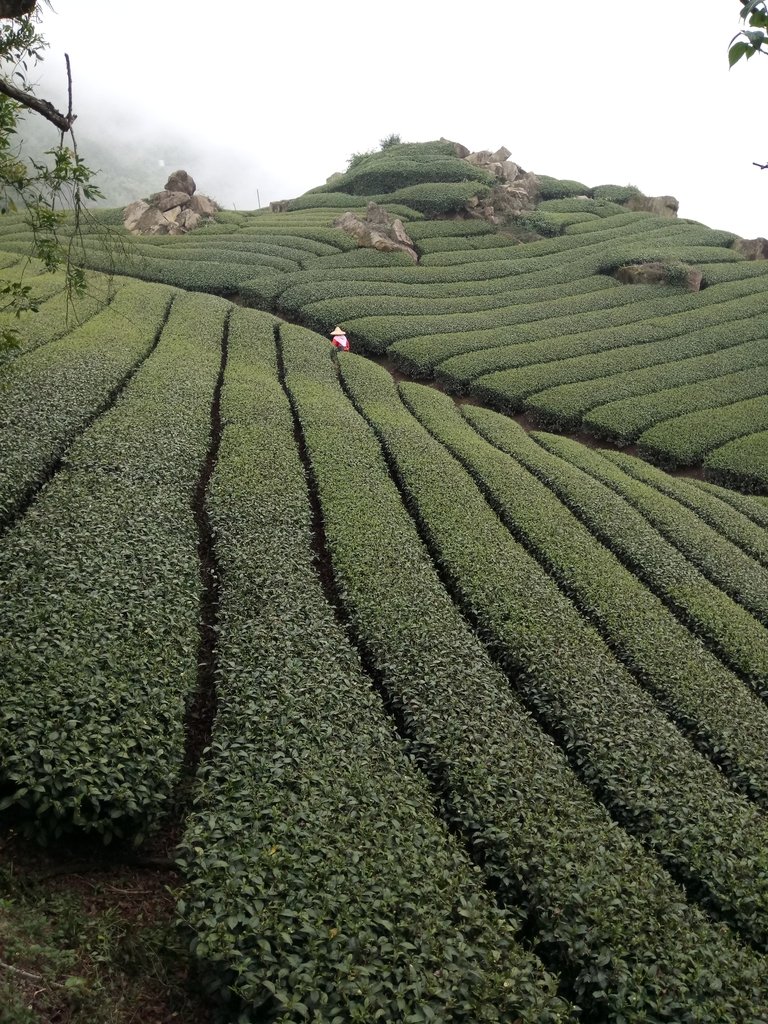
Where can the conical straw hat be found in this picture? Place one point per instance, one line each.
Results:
(338, 330)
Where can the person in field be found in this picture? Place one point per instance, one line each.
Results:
(339, 339)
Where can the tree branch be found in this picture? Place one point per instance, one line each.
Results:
(62, 121)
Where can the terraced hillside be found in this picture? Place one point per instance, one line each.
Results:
(453, 721)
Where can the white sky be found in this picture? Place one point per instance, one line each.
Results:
(616, 92)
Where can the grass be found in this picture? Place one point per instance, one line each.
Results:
(91, 947)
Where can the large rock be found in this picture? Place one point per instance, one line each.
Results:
(180, 181)
(132, 214)
(167, 200)
(188, 220)
(153, 222)
(173, 211)
(659, 273)
(379, 230)
(203, 206)
(461, 151)
(661, 206)
(752, 248)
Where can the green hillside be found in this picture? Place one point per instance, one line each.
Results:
(443, 714)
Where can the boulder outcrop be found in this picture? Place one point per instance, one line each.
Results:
(173, 211)
(660, 273)
(752, 248)
(378, 230)
(661, 206)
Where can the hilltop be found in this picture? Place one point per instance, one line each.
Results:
(426, 706)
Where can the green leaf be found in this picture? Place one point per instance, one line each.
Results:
(737, 51)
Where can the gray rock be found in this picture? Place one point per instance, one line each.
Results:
(152, 222)
(132, 214)
(180, 181)
(189, 220)
(202, 205)
(752, 248)
(379, 230)
(168, 199)
(660, 206)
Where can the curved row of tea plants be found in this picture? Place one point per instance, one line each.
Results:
(649, 776)
(47, 396)
(100, 614)
(568, 468)
(714, 708)
(320, 884)
(689, 437)
(721, 561)
(503, 783)
(713, 505)
(622, 405)
(742, 463)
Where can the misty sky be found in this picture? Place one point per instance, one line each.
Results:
(276, 97)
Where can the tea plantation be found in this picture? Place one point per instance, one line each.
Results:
(487, 737)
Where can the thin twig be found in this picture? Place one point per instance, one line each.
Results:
(18, 970)
(70, 118)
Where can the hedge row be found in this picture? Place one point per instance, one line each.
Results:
(358, 258)
(599, 207)
(382, 321)
(560, 188)
(505, 786)
(47, 396)
(250, 254)
(751, 506)
(614, 399)
(287, 259)
(708, 504)
(628, 243)
(742, 463)
(300, 293)
(560, 340)
(705, 700)
(434, 229)
(570, 470)
(721, 561)
(327, 235)
(687, 439)
(55, 313)
(244, 241)
(320, 884)
(628, 419)
(195, 275)
(615, 193)
(391, 171)
(695, 332)
(473, 243)
(649, 775)
(100, 616)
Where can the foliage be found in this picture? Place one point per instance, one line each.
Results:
(562, 671)
(390, 140)
(753, 38)
(698, 694)
(320, 883)
(741, 463)
(105, 574)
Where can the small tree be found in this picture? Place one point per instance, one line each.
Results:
(49, 193)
